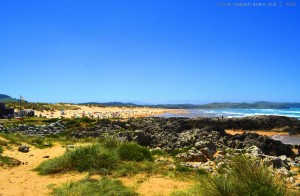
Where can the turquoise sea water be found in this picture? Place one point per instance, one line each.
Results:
(292, 112)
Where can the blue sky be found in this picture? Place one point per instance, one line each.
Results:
(154, 51)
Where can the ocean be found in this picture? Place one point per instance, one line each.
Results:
(230, 113)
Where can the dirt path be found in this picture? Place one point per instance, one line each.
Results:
(22, 181)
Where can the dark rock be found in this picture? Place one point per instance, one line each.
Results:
(142, 138)
(23, 149)
(192, 156)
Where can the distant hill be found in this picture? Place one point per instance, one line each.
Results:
(174, 106)
(6, 99)
(121, 104)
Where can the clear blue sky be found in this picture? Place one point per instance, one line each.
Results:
(151, 51)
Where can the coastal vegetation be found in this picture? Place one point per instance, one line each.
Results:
(41, 106)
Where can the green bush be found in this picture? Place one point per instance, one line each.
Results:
(1, 149)
(134, 152)
(92, 158)
(103, 187)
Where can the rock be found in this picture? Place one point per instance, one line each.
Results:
(292, 179)
(192, 156)
(70, 146)
(284, 171)
(297, 184)
(46, 157)
(142, 138)
(207, 152)
(265, 144)
(23, 148)
(253, 150)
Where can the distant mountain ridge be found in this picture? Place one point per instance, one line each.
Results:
(6, 99)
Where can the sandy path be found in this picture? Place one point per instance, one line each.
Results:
(22, 181)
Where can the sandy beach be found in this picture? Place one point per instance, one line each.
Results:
(107, 112)
(260, 132)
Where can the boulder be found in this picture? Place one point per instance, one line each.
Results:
(23, 148)
(142, 138)
(207, 152)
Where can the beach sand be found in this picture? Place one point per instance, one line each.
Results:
(260, 132)
(23, 181)
(108, 112)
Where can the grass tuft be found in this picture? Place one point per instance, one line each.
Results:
(93, 158)
(103, 187)
(246, 176)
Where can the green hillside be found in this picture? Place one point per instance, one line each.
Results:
(7, 99)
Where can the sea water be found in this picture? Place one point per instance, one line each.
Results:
(230, 113)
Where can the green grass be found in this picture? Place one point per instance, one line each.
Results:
(1, 149)
(102, 158)
(193, 191)
(93, 158)
(247, 177)
(134, 152)
(129, 168)
(5, 160)
(158, 152)
(37, 141)
(103, 187)
(42, 106)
